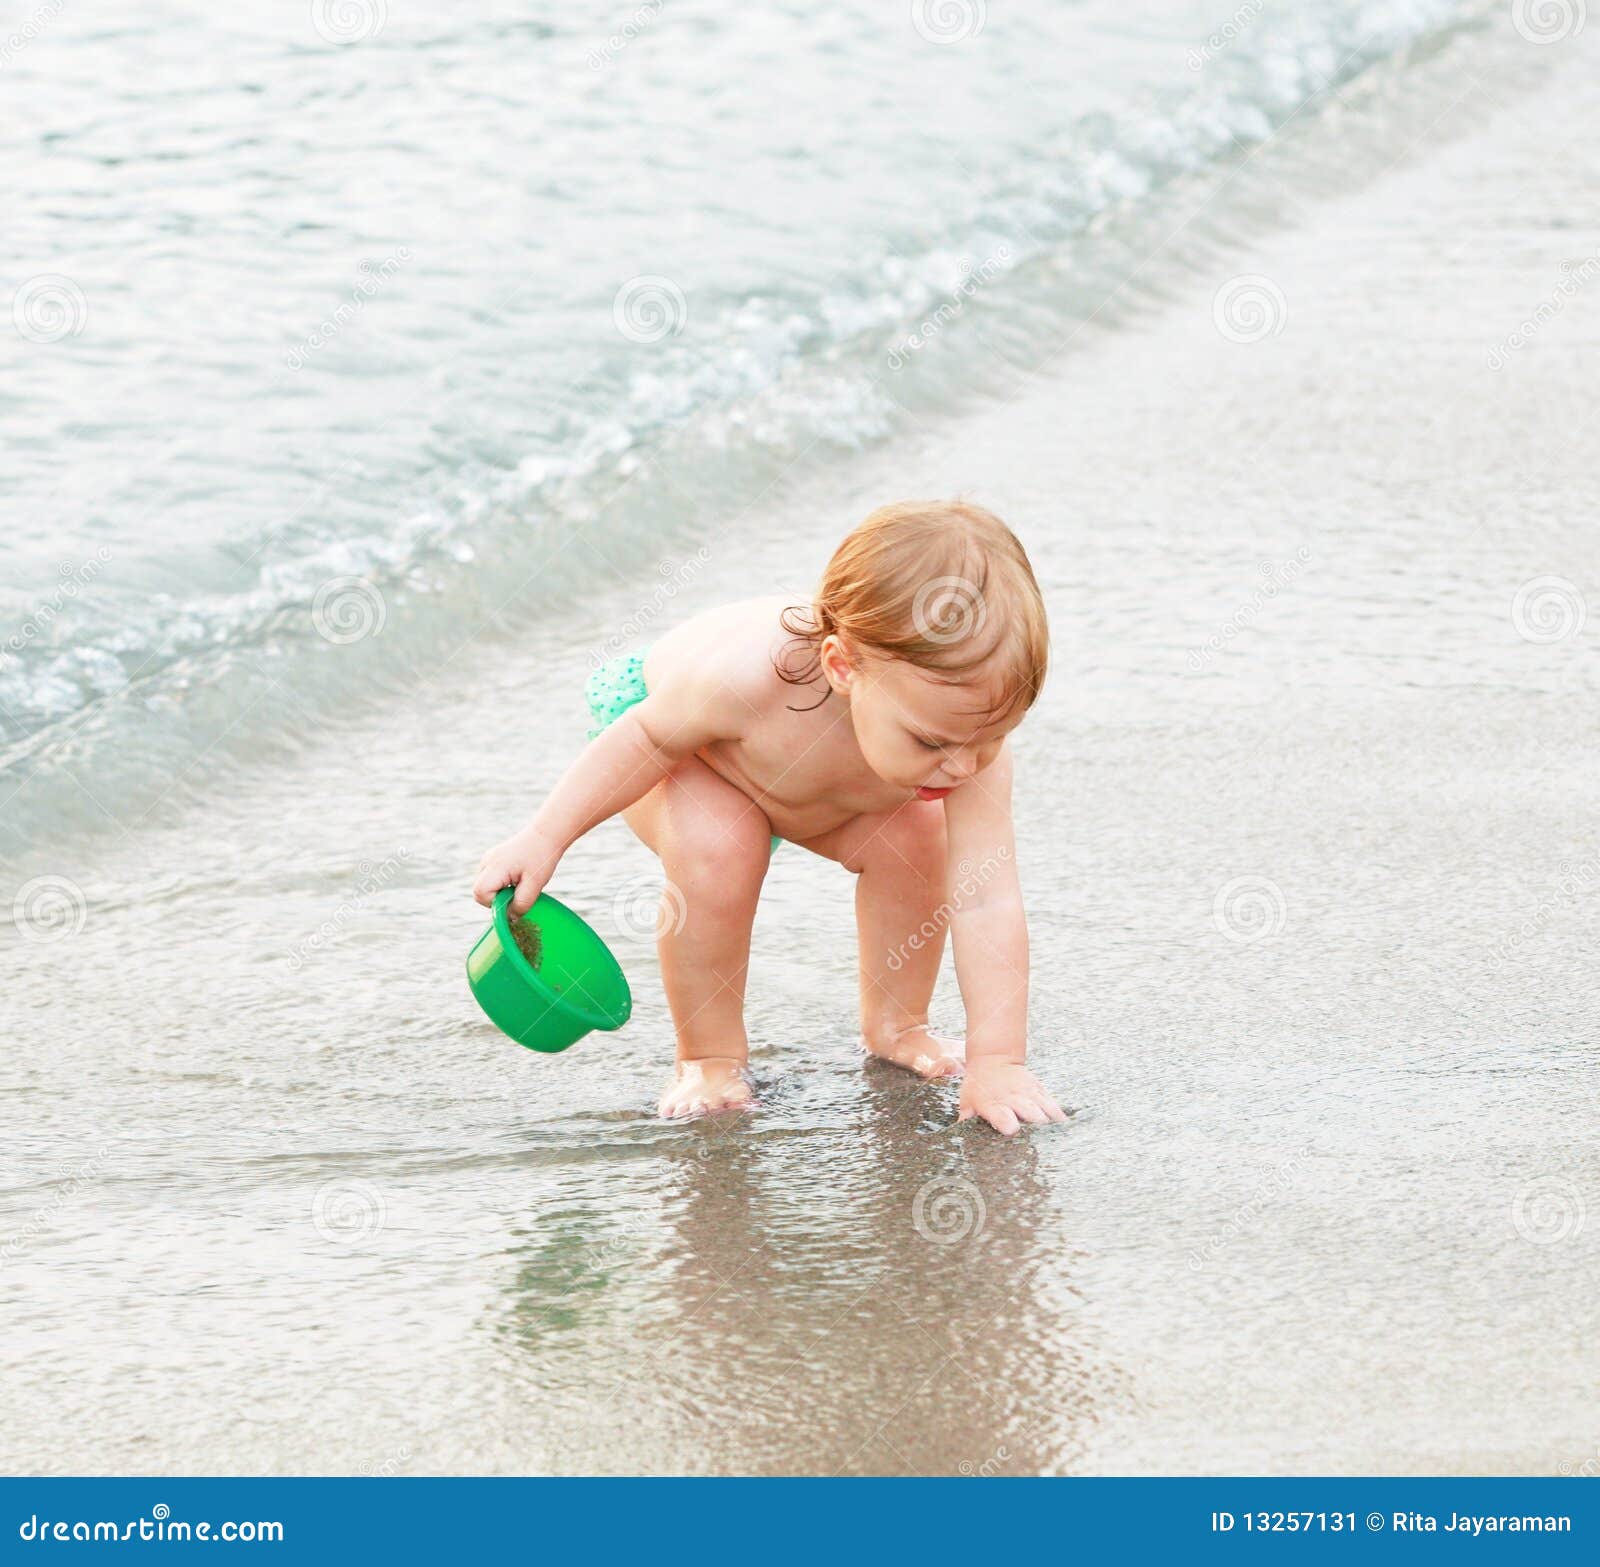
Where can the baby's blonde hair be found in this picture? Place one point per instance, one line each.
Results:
(944, 585)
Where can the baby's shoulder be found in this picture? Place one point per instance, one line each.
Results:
(731, 649)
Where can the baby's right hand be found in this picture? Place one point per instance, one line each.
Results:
(525, 860)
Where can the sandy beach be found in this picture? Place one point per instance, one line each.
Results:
(1307, 832)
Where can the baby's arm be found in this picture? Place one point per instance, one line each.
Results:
(990, 933)
(619, 766)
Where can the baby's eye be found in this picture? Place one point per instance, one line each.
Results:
(929, 745)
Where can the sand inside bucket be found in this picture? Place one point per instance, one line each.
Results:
(529, 942)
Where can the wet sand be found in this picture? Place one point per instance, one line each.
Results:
(1306, 821)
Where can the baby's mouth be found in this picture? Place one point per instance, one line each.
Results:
(933, 794)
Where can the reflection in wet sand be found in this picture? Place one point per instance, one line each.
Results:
(885, 1297)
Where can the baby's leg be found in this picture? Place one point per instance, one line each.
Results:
(901, 916)
(714, 844)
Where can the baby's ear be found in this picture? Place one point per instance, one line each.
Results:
(835, 661)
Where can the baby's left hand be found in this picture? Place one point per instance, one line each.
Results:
(1005, 1094)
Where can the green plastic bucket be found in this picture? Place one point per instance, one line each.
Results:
(575, 987)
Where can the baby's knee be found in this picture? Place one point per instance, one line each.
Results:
(721, 855)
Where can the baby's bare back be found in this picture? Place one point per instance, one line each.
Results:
(790, 748)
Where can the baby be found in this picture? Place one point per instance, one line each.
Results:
(869, 726)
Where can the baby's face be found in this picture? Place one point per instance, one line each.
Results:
(924, 733)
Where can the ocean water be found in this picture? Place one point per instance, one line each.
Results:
(326, 314)
(382, 381)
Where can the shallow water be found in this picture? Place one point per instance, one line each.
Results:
(330, 315)
(1306, 828)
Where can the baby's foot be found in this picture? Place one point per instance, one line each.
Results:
(915, 1049)
(711, 1083)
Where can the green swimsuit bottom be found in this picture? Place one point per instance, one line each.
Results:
(613, 688)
